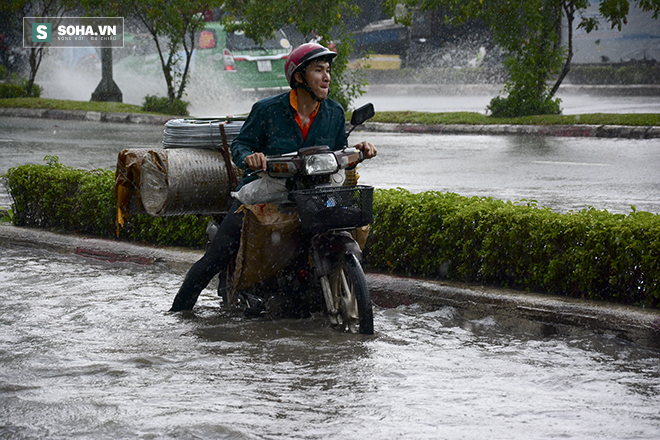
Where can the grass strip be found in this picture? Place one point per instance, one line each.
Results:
(474, 118)
(60, 104)
(401, 117)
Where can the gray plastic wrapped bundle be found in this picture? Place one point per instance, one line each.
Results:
(184, 181)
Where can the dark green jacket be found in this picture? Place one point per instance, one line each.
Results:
(271, 129)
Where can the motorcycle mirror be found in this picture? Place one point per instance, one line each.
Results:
(363, 114)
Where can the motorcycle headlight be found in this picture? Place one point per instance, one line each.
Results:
(319, 164)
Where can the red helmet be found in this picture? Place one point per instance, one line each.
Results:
(301, 56)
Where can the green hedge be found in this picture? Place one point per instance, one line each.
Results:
(166, 106)
(588, 254)
(18, 89)
(54, 196)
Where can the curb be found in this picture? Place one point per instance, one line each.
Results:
(599, 131)
(97, 248)
(544, 315)
(82, 115)
(540, 314)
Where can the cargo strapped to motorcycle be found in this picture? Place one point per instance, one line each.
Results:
(269, 241)
(231, 172)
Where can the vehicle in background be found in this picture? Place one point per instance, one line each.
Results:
(429, 42)
(228, 57)
(243, 63)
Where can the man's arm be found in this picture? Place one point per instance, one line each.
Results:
(252, 135)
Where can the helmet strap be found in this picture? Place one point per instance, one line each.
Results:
(308, 89)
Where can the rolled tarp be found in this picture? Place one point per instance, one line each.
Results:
(184, 181)
(187, 176)
(127, 183)
(167, 182)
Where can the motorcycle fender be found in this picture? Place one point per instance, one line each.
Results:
(324, 246)
(344, 243)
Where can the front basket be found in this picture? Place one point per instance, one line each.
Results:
(340, 207)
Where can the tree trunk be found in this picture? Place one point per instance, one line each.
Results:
(35, 57)
(569, 8)
(186, 70)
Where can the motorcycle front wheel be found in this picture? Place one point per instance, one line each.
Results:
(351, 296)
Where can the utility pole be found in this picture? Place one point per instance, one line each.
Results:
(107, 90)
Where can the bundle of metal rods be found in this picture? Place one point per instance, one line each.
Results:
(200, 133)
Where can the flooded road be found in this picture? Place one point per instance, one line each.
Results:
(560, 173)
(573, 102)
(82, 145)
(87, 350)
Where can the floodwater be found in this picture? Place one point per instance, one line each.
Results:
(573, 102)
(87, 350)
(561, 173)
(82, 145)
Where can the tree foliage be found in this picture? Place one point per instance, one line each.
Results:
(13, 12)
(322, 20)
(529, 33)
(172, 25)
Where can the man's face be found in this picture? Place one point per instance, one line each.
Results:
(318, 78)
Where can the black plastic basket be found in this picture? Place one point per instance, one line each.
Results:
(340, 207)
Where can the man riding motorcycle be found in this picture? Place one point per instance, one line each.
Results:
(280, 124)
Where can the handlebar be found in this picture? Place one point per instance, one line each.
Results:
(346, 158)
(293, 163)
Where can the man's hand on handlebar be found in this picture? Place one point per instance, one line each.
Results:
(256, 161)
(367, 148)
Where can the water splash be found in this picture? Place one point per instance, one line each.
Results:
(74, 74)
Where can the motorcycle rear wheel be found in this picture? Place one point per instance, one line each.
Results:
(351, 296)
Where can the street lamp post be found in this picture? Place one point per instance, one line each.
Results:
(107, 90)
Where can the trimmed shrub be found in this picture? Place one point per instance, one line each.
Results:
(18, 89)
(588, 254)
(523, 104)
(54, 196)
(157, 104)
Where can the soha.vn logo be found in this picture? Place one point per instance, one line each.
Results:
(42, 32)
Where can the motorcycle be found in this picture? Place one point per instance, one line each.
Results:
(318, 265)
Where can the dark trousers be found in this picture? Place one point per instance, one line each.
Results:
(217, 257)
